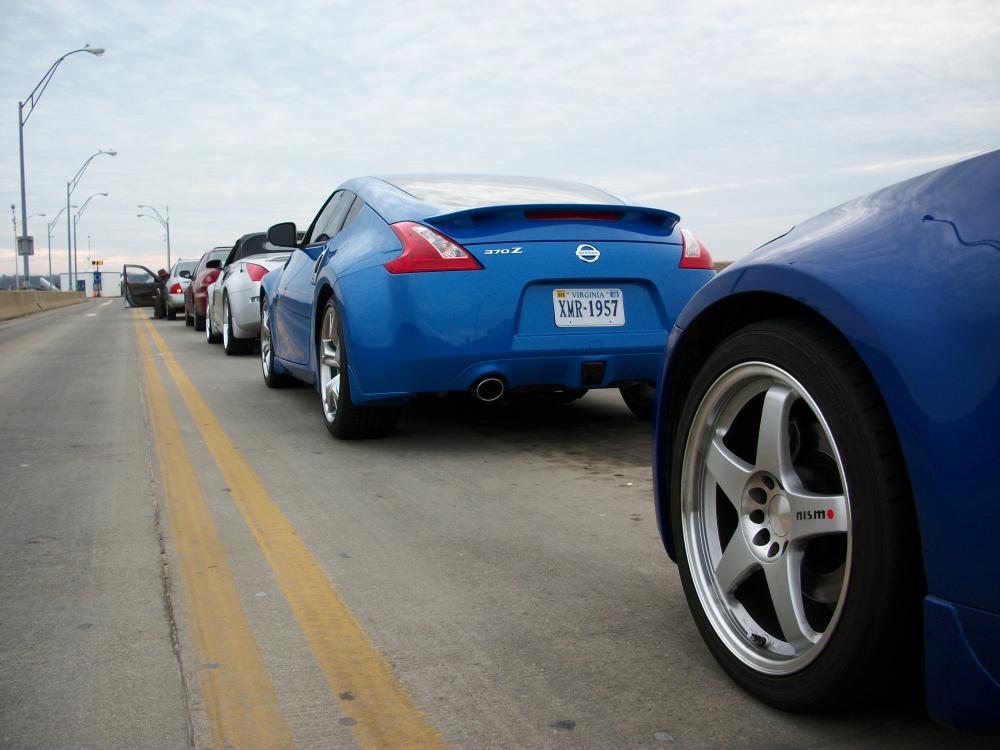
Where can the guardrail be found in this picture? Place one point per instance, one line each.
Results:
(18, 304)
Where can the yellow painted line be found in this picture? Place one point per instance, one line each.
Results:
(384, 714)
(242, 707)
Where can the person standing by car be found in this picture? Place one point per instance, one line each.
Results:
(160, 295)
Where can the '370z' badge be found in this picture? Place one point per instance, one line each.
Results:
(587, 253)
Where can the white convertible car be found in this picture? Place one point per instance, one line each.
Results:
(233, 315)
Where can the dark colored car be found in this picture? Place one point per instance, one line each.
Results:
(140, 286)
(826, 458)
(196, 295)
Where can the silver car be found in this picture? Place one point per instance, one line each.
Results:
(233, 314)
(180, 277)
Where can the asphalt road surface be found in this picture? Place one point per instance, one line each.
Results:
(188, 559)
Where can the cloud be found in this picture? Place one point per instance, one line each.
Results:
(239, 116)
(922, 162)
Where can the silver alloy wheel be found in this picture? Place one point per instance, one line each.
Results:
(767, 534)
(329, 364)
(225, 322)
(265, 338)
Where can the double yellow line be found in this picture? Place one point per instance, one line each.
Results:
(242, 706)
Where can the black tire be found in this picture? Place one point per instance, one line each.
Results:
(272, 378)
(349, 421)
(565, 396)
(210, 335)
(231, 344)
(199, 322)
(873, 635)
(188, 318)
(171, 313)
(639, 398)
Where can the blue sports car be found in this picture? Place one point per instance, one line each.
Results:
(430, 284)
(827, 463)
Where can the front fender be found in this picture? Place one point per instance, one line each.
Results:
(743, 294)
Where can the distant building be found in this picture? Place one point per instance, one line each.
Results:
(111, 283)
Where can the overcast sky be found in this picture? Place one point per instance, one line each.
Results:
(743, 117)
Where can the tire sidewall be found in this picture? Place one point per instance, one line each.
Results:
(344, 405)
(271, 378)
(638, 403)
(863, 617)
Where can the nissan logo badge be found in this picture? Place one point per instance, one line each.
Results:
(587, 253)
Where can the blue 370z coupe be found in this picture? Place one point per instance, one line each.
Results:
(827, 464)
(430, 284)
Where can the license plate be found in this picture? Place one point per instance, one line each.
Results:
(575, 308)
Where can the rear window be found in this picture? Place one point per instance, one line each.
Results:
(472, 191)
(218, 253)
(185, 265)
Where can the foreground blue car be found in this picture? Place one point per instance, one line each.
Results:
(431, 284)
(827, 463)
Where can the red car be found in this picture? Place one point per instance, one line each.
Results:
(196, 294)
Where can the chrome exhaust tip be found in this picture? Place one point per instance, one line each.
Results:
(488, 389)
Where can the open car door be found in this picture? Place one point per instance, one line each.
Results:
(140, 286)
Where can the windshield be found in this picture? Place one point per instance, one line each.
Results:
(255, 245)
(471, 191)
(138, 275)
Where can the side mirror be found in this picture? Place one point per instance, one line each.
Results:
(283, 234)
(214, 264)
(185, 274)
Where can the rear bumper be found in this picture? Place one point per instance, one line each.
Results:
(200, 303)
(436, 375)
(962, 654)
(439, 332)
(175, 301)
(244, 305)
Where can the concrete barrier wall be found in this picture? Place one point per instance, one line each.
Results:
(17, 304)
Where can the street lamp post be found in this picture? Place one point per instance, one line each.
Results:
(76, 220)
(164, 222)
(30, 102)
(27, 279)
(51, 226)
(13, 220)
(70, 187)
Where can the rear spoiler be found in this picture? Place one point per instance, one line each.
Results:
(636, 218)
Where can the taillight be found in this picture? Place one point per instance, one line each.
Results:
(210, 277)
(693, 253)
(176, 289)
(426, 250)
(255, 272)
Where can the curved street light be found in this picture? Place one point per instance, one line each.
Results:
(76, 220)
(165, 223)
(70, 187)
(50, 227)
(30, 102)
